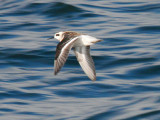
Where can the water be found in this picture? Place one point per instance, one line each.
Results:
(127, 61)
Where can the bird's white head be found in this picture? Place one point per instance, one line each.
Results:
(59, 36)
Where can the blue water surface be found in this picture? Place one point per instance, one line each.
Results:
(127, 61)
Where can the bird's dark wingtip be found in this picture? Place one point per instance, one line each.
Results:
(94, 79)
(55, 72)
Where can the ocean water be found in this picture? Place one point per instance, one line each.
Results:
(127, 61)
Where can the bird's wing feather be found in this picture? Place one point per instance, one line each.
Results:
(62, 52)
(85, 60)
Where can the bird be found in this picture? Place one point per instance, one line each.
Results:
(80, 43)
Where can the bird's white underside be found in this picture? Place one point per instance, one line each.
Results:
(85, 40)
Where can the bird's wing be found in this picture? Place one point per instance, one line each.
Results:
(62, 52)
(85, 60)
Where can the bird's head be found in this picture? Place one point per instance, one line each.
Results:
(59, 36)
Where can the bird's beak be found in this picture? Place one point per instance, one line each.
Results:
(50, 38)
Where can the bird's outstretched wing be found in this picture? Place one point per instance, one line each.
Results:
(85, 60)
(62, 52)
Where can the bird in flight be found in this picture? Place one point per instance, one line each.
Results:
(81, 44)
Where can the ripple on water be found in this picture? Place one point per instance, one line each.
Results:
(61, 9)
(148, 72)
(21, 95)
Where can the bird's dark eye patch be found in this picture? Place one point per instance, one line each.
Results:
(57, 34)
